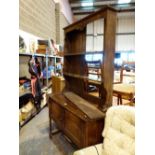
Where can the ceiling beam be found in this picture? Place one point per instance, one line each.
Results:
(118, 10)
(83, 13)
(100, 6)
(80, 1)
(126, 10)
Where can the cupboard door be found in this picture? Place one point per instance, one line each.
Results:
(94, 132)
(74, 128)
(57, 113)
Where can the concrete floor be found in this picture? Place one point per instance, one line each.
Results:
(34, 138)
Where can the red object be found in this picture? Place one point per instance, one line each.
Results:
(22, 81)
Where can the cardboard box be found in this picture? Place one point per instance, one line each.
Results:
(27, 110)
(41, 51)
(58, 84)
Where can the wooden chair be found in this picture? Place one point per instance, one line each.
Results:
(122, 90)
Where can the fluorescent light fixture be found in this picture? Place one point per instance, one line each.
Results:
(123, 1)
(87, 4)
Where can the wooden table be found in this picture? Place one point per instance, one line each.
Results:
(123, 91)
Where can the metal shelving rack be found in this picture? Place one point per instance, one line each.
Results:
(46, 56)
(48, 84)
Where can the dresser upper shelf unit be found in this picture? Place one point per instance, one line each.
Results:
(76, 50)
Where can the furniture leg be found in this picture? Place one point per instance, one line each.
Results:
(50, 127)
(120, 99)
(51, 130)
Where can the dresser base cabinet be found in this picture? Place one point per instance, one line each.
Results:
(74, 123)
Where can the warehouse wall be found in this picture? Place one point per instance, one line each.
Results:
(125, 34)
(64, 17)
(125, 38)
(61, 22)
(66, 9)
(38, 17)
(23, 67)
(44, 18)
(57, 14)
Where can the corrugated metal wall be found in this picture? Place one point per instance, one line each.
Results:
(37, 17)
(94, 39)
(125, 34)
(61, 22)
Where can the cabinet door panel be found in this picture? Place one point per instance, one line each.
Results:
(57, 114)
(73, 127)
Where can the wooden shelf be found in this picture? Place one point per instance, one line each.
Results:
(94, 82)
(72, 54)
(83, 53)
(82, 77)
(95, 52)
(93, 67)
(94, 73)
(93, 62)
(75, 75)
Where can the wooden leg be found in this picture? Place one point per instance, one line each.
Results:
(120, 100)
(51, 130)
(50, 127)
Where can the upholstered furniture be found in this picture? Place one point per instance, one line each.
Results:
(118, 133)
